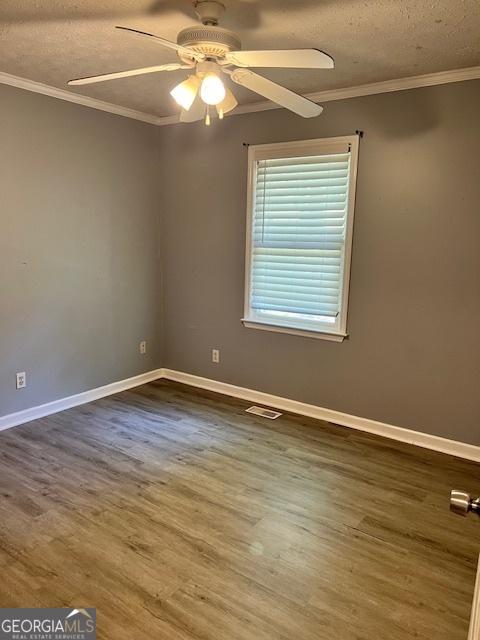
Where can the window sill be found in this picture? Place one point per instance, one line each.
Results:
(307, 333)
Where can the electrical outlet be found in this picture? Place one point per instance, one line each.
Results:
(21, 379)
(143, 347)
(216, 355)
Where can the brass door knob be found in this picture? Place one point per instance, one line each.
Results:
(462, 503)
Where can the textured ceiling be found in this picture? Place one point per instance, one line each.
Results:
(51, 41)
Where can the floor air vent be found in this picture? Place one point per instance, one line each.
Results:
(265, 413)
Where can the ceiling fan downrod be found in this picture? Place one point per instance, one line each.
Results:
(209, 12)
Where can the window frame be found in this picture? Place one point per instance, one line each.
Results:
(298, 148)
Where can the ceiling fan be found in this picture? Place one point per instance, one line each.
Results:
(210, 51)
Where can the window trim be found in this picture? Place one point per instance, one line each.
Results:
(292, 149)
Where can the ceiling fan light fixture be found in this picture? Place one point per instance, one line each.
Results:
(212, 89)
(185, 93)
(208, 51)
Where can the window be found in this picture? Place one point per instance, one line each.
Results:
(301, 199)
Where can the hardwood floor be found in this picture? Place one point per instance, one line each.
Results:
(179, 516)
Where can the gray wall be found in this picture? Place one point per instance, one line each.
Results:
(413, 355)
(81, 275)
(79, 266)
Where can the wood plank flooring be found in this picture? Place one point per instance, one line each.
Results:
(179, 516)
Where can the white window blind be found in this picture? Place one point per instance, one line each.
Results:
(300, 203)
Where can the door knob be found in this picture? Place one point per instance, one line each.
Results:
(462, 503)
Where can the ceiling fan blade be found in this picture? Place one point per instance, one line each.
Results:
(126, 74)
(196, 55)
(196, 112)
(285, 58)
(275, 92)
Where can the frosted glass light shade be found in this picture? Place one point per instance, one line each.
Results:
(184, 93)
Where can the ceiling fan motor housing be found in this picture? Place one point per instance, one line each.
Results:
(214, 42)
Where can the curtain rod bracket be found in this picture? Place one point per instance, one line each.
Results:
(359, 133)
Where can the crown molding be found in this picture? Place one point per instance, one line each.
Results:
(69, 96)
(402, 84)
(386, 86)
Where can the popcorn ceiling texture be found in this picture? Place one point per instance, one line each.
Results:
(371, 41)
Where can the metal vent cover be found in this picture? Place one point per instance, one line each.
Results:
(265, 413)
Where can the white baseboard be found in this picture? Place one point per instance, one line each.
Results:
(436, 443)
(42, 410)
